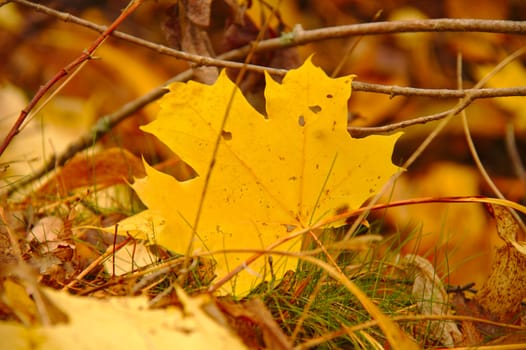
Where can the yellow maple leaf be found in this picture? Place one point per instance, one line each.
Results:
(271, 174)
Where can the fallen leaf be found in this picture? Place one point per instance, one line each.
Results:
(505, 289)
(129, 258)
(185, 30)
(122, 323)
(432, 299)
(106, 168)
(48, 233)
(270, 176)
(253, 317)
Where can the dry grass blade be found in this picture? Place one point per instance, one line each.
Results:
(396, 337)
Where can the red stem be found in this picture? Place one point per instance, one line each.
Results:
(86, 55)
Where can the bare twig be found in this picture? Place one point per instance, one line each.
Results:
(86, 55)
(394, 90)
(359, 132)
(221, 61)
(432, 135)
(468, 95)
(302, 36)
(107, 122)
(111, 250)
(469, 139)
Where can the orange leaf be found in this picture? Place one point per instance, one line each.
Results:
(110, 167)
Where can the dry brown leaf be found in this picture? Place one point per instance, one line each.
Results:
(48, 233)
(505, 288)
(242, 29)
(129, 258)
(254, 312)
(106, 168)
(432, 299)
(185, 30)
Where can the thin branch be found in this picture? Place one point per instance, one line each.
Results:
(107, 122)
(394, 90)
(354, 29)
(463, 103)
(301, 37)
(469, 96)
(97, 131)
(471, 143)
(221, 61)
(71, 67)
(360, 132)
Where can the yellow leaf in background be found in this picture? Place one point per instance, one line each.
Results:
(514, 74)
(271, 175)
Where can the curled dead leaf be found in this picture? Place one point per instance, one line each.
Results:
(503, 292)
(432, 299)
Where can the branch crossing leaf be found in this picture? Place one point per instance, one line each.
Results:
(271, 175)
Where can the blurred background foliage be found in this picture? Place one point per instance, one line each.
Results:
(461, 237)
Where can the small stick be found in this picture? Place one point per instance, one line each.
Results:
(84, 56)
(111, 250)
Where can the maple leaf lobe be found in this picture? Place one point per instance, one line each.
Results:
(290, 170)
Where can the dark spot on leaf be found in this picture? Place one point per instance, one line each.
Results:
(329, 96)
(342, 209)
(227, 135)
(301, 120)
(333, 125)
(315, 109)
(317, 166)
(293, 178)
(320, 135)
